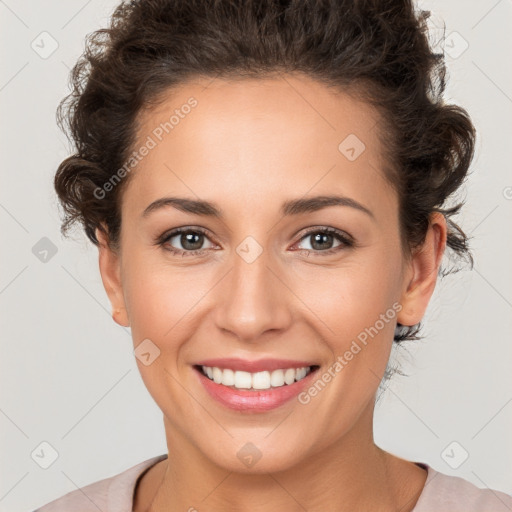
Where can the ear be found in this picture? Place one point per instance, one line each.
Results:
(110, 270)
(422, 272)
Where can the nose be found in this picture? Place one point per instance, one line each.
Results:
(254, 299)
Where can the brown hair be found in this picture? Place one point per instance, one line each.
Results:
(377, 50)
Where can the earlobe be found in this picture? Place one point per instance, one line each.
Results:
(110, 270)
(120, 319)
(421, 281)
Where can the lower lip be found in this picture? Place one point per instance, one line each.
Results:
(254, 401)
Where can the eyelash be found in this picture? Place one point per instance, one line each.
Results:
(347, 242)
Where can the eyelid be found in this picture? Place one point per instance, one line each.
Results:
(167, 235)
(346, 240)
(325, 229)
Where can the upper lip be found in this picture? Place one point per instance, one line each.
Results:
(259, 365)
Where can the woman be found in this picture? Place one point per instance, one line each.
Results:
(220, 144)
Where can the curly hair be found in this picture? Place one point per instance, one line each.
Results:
(376, 50)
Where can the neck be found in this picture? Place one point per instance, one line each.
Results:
(351, 474)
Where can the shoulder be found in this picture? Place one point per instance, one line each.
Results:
(444, 492)
(114, 494)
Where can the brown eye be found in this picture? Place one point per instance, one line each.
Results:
(322, 240)
(190, 240)
(186, 242)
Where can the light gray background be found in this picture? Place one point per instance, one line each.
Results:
(68, 374)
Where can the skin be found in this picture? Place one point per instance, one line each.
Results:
(248, 146)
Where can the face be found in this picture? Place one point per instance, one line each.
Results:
(273, 275)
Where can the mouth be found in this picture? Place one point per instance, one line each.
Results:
(257, 381)
(254, 392)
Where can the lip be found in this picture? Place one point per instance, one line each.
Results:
(254, 401)
(261, 365)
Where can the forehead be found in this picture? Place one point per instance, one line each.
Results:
(257, 138)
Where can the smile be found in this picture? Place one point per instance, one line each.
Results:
(254, 391)
(255, 381)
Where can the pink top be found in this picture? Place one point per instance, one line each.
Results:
(441, 493)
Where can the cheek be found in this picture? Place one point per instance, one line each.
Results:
(160, 302)
(161, 296)
(352, 297)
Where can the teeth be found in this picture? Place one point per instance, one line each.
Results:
(217, 375)
(243, 380)
(261, 380)
(228, 377)
(277, 379)
(255, 381)
(289, 376)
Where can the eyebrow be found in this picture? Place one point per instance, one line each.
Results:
(291, 207)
